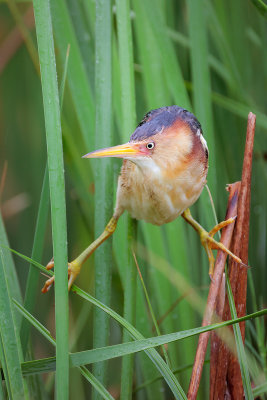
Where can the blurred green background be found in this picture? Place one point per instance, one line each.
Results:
(207, 56)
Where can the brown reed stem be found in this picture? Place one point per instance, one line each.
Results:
(228, 376)
(213, 291)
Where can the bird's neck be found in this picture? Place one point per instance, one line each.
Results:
(148, 167)
(145, 171)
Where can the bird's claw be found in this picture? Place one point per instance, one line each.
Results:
(73, 272)
(48, 284)
(209, 243)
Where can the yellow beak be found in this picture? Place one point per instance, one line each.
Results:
(121, 151)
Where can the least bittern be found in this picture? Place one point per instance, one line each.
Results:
(163, 173)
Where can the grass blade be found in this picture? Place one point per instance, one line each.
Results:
(38, 242)
(156, 91)
(202, 99)
(64, 76)
(170, 63)
(90, 356)
(33, 276)
(103, 177)
(128, 124)
(134, 332)
(151, 310)
(80, 88)
(164, 85)
(84, 371)
(96, 384)
(57, 187)
(29, 317)
(261, 6)
(11, 356)
(154, 356)
(201, 80)
(12, 277)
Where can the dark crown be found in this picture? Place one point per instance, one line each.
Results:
(164, 117)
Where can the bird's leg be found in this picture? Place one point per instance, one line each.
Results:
(74, 267)
(207, 240)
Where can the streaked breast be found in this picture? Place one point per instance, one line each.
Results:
(157, 199)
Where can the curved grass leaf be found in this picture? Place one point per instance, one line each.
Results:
(29, 317)
(152, 354)
(261, 6)
(46, 365)
(175, 371)
(90, 356)
(96, 384)
(84, 371)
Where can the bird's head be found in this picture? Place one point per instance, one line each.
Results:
(165, 140)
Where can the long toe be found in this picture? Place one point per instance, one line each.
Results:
(73, 271)
(221, 225)
(50, 265)
(213, 244)
(48, 284)
(72, 278)
(207, 240)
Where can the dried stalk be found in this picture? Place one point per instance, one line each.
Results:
(213, 292)
(228, 376)
(214, 339)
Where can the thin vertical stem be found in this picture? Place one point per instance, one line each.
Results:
(57, 188)
(128, 124)
(103, 177)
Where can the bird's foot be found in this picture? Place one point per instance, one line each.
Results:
(209, 244)
(207, 240)
(73, 271)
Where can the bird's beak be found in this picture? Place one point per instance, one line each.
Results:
(121, 151)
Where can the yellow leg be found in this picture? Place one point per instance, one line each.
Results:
(207, 240)
(74, 267)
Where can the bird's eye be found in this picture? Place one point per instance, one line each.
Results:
(150, 145)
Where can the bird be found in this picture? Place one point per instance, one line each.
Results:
(164, 170)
